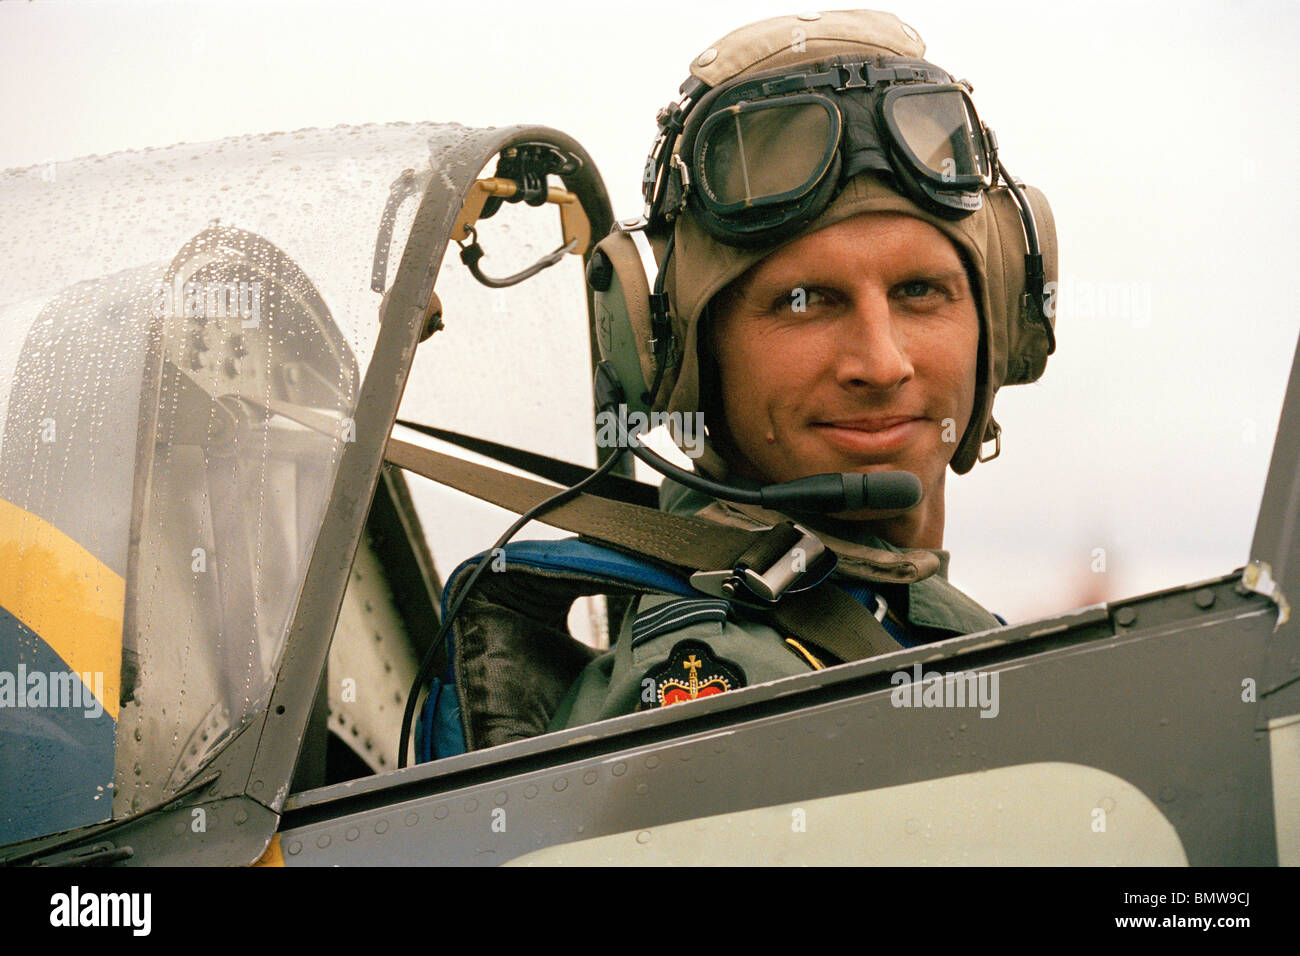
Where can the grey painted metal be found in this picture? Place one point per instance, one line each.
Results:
(1279, 513)
(394, 530)
(1157, 703)
(388, 618)
(1277, 541)
(214, 833)
(311, 770)
(208, 787)
(661, 724)
(371, 665)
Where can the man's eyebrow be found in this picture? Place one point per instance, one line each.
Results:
(941, 275)
(809, 279)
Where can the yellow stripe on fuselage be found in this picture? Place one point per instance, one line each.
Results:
(66, 595)
(272, 856)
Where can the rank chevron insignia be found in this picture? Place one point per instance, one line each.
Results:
(693, 671)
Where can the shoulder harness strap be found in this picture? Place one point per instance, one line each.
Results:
(823, 615)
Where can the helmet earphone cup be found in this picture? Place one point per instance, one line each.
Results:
(621, 300)
(1018, 342)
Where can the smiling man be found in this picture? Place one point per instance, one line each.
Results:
(851, 349)
(851, 275)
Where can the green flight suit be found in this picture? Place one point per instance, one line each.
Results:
(737, 650)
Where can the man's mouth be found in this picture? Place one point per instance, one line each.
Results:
(871, 435)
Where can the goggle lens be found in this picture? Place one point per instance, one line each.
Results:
(756, 154)
(941, 132)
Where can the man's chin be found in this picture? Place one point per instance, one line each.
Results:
(869, 514)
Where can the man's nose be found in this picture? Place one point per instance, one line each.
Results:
(871, 352)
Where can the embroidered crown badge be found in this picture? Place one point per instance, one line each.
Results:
(693, 671)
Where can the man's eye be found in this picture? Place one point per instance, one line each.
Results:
(799, 299)
(917, 289)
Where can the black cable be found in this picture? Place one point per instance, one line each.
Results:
(471, 254)
(661, 321)
(1034, 278)
(1026, 212)
(426, 664)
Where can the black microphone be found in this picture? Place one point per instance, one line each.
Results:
(828, 494)
(849, 491)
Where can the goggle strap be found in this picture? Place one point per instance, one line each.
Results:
(855, 75)
(671, 121)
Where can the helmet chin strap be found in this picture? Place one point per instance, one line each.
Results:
(662, 341)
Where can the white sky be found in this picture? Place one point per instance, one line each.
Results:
(1158, 132)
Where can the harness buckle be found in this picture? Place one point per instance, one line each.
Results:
(801, 562)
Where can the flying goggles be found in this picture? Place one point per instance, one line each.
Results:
(758, 158)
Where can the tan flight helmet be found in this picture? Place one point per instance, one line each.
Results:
(1015, 340)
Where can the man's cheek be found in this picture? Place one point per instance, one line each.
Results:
(746, 386)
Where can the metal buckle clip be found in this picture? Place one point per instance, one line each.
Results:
(997, 443)
(855, 77)
(803, 566)
(676, 163)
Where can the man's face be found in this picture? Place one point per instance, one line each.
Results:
(852, 349)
